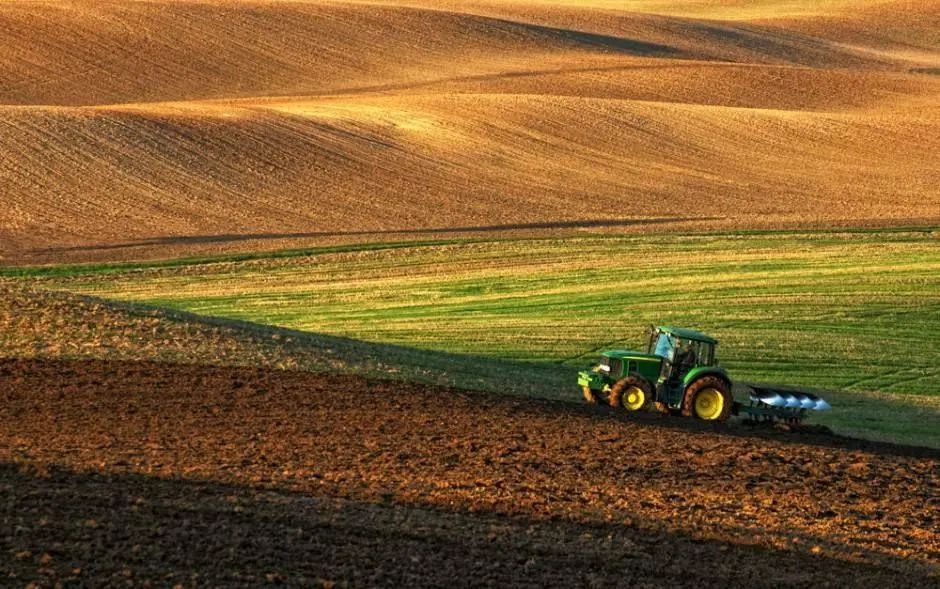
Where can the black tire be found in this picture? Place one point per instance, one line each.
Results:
(625, 383)
(707, 383)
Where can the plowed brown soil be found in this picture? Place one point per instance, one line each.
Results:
(137, 472)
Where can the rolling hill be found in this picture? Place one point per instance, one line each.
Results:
(136, 130)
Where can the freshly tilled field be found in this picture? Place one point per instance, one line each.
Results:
(143, 472)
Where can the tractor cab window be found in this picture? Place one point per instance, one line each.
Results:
(687, 356)
(665, 346)
(693, 353)
(706, 354)
(611, 366)
(616, 367)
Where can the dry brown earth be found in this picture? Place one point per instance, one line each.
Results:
(142, 129)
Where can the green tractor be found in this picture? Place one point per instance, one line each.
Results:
(679, 373)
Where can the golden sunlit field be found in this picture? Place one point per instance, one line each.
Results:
(318, 293)
(151, 129)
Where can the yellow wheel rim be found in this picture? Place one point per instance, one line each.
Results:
(709, 404)
(634, 398)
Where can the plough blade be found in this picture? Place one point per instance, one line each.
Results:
(781, 403)
(774, 400)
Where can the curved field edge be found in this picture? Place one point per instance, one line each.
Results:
(850, 312)
(37, 323)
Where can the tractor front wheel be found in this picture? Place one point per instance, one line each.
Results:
(631, 392)
(708, 398)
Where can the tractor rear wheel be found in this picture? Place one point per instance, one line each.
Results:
(708, 398)
(631, 392)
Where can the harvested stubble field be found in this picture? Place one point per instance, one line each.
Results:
(202, 126)
(274, 477)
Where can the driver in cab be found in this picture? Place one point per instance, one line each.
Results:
(685, 358)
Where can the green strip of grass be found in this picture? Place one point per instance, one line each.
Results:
(70, 270)
(855, 311)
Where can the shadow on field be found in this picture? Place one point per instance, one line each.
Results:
(101, 529)
(612, 43)
(240, 237)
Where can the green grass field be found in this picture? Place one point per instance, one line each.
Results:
(856, 312)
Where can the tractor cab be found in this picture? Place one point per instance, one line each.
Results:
(681, 350)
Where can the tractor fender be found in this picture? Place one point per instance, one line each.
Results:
(632, 378)
(700, 371)
(651, 383)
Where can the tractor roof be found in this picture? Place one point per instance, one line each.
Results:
(683, 333)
